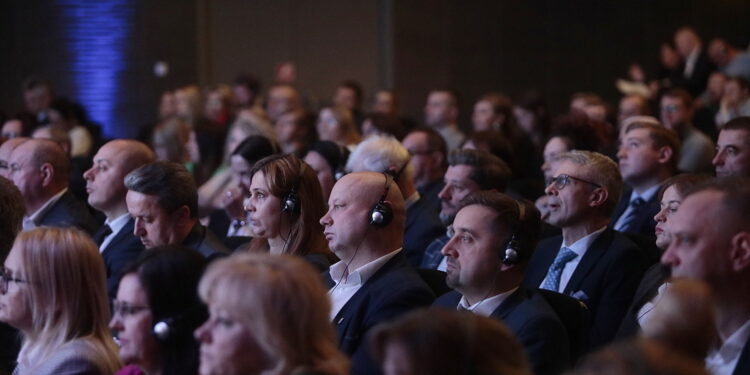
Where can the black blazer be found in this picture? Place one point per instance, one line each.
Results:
(68, 211)
(743, 364)
(698, 80)
(124, 247)
(644, 222)
(655, 277)
(394, 289)
(605, 280)
(422, 226)
(205, 242)
(535, 325)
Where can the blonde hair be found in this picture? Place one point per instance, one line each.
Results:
(283, 303)
(67, 296)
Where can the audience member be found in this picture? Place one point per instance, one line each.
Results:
(647, 157)
(282, 98)
(384, 154)
(37, 96)
(163, 201)
(269, 315)
(438, 341)
(709, 243)
(106, 193)
(639, 357)
(349, 94)
(53, 291)
(653, 284)
(590, 262)
(382, 124)
(697, 148)
(441, 114)
(429, 157)
(469, 171)
(294, 131)
(156, 311)
(494, 237)
(697, 65)
(729, 59)
(732, 149)
(6, 149)
(245, 92)
(336, 124)
(632, 105)
(735, 102)
(283, 209)
(40, 169)
(385, 102)
(373, 282)
(532, 115)
(328, 160)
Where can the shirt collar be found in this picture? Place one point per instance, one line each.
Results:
(647, 195)
(45, 207)
(579, 247)
(486, 306)
(733, 345)
(117, 224)
(360, 275)
(411, 200)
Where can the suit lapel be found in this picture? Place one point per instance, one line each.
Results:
(510, 303)
(589, 260)
(621, 206)
(544, 255)
(120, 236)
(743, 364)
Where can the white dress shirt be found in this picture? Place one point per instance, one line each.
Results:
(723, 360)
(116, 225)
(486, 306)
(579, 247)
(346, 286)
(29, 222)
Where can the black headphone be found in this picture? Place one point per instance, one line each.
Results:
(511, 254)
(167, 328)
(290, 201)
(381, 213)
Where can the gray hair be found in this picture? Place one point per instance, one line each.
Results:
(379, 153)
(170, 182)
(602, 171)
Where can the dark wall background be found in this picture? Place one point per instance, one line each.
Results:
(559, 47)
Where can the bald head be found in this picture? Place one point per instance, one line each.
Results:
(5, 150)
(40, 169)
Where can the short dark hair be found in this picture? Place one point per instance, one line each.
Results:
(489, 171)
(453, 93)
(682, 94)
(170, 182)
(577, 131)
(255, 147)
(12, 209)
(520, 216)
(435, 141)
(661, 137)
(738, 123)
(356, 87)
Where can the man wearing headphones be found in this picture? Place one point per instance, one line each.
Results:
(493, 238)
(373, 283)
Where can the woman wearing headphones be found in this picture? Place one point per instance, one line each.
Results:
(156, 310)
(284, 210)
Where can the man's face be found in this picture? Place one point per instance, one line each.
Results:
(421, 156)
(280, 100)
(732, 153)
(483, 116)
(345, 224)
(673, 113)
(472, 254)
(24, 174)
(287, 130)
(384, 103)
(439, 110)
(568, 205)
(629, 106)
(638, 158)
(552, 150)
(345, 97)
(153, 224)
(700, 245)
(104, 180)
(458, 185)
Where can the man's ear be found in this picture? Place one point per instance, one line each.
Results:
(665, 154)
(598, 197)
(740, 252)
(48, 173)
(182, 216)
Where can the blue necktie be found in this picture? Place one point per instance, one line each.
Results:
(552, 281)
(635, 207)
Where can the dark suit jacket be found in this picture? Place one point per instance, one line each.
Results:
(393, 290)
(535, 325)
(430, 193)
(68, 211)
(743, 364)
(422, 226)
(605, 280)
(644, 222)
(696, 83)
(123, 248)
(647, 290)
(205, 242)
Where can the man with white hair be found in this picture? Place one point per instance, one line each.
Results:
(385, 154)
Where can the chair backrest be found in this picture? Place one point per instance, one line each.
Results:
(435, 280)
(576, 318)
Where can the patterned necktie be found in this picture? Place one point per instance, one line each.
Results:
(635, 208)
(101, 234)
(552, 281)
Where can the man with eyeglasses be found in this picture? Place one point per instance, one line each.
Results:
(429, 158)
(590, 262)
(5, 150)
(676, 108)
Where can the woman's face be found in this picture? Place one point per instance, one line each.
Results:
(670, 201)
(328, 127)
(241, 172)
(264, 208)
(133, 322)
(552, 150)
(323, 171)
(14, 297)
(228, 347)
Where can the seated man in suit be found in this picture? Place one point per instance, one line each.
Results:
(711, 243)
(106, 193)
(647, 157)
(373, 282)
(163, 200)
(385, 154)
(469, 171)
(40, 168)
(494, 237)
(429, 157)
(590, 262)
(733, 149)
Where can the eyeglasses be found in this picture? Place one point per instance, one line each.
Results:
(6, 278)
(125, 309)
(672, 108)
(563, 180)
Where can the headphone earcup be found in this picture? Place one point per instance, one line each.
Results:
(290, 203)
(510, 255)
(380, 214)
(162, 329)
